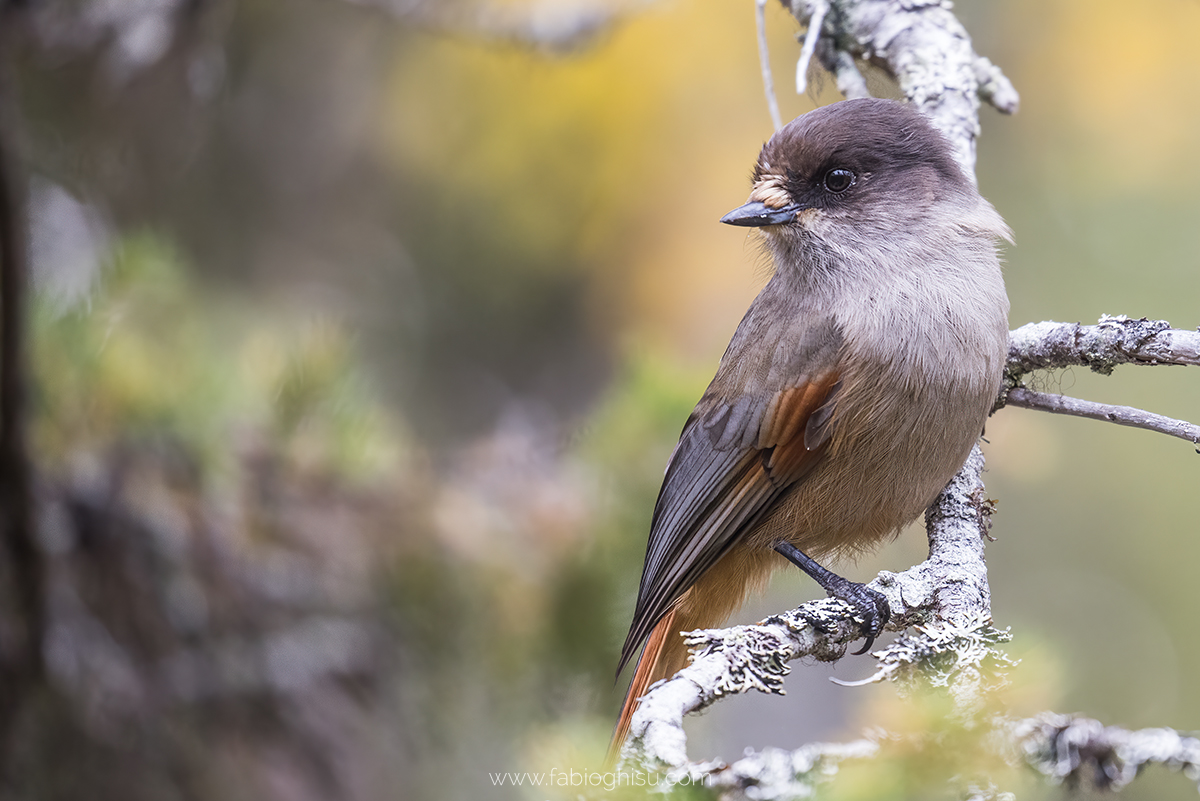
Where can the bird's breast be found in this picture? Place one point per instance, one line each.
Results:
(921, 366)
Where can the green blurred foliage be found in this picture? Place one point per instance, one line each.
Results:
(151, 354)
(376, 247)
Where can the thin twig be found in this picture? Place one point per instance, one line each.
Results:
(819, 9)
(1121, 415)
(764, 57)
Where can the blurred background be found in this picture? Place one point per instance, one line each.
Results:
(361, 333)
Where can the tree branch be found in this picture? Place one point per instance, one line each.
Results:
(923, 46)
(21, 649)
(1101, 347)
(777, 773)
(1073, 749)
(1121, 415)
(764, 60)
(551, 27)
(947, 595)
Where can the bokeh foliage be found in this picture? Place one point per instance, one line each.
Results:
(471, 290)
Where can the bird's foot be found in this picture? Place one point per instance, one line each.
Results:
(869, 605)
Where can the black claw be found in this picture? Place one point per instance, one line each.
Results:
(869, 604)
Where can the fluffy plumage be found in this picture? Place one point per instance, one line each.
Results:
(855, 385)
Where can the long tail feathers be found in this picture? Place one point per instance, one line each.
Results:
(663, 656)
(708, 603)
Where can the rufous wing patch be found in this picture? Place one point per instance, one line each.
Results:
(733, 462)
(783, 433)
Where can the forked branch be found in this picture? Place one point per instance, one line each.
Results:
(1101, 348)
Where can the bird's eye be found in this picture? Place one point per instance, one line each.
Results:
(839, 180)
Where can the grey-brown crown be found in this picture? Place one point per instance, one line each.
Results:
(856, 151)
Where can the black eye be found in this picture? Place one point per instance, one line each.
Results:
(839, 180)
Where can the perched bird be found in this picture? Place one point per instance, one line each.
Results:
(852, 390)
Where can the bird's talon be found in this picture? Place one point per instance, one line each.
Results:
(866, 647)
(871, 607)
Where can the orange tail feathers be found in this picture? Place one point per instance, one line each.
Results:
(664, 655)
(709, 602)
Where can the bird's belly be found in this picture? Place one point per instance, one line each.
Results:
(885, 465)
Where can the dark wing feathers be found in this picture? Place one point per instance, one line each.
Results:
(734, 459)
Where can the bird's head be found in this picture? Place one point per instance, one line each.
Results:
(852, 168)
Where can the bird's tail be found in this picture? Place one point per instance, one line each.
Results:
(665, 655)
(708, 603)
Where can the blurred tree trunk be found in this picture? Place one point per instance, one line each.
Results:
(21, 621)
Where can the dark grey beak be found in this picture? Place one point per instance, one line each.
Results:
(755, 214)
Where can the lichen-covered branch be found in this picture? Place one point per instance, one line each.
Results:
(946, 597)
(779, 773)
(1101, 347)
(1065, 749)
(923, 46)
(1074, 750)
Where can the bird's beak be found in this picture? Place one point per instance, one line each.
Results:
(755, 214)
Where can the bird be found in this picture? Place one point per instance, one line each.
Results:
(852, 390)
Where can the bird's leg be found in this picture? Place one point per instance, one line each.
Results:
(870, 604)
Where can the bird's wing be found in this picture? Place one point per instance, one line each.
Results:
(735, 458)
